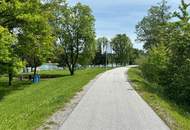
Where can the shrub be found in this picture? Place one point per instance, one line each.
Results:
(140, 60)
(156, 63)
(177, 83)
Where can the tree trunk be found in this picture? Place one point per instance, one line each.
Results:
(35, 70)
(10, 78)
(72, 70)
(31, 69)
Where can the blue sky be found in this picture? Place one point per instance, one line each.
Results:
(120, 16)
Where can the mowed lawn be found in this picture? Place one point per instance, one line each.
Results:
(26, 106)
(177, 117)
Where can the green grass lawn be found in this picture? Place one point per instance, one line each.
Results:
(177, 117)
(25, 106)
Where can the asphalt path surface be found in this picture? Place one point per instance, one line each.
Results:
(112, 104)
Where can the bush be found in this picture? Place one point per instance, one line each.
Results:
(151, 72)
(177, 83)
(155, 64)
(140, 60)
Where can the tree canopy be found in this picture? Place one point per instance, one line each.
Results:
(122, 47)
(77, 34)
(168, 58)
(9, 61)
(150, 30)
(28, 21)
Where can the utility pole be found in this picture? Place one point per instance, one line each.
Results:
(106, 57)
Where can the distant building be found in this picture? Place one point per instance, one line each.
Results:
(49, 66)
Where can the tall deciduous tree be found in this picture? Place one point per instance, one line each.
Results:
(177, 85)
(9, 61)
(150, 30)
(77, 34)
(35, 40)
(6, 40)
(122, 46)
(29, 21)
(102, 44)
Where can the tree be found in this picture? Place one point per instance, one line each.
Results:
(29, 22)
(168, 62)
(122, 46)
(176, 83)
(102, 57)
(9, 62)
(9, 11)
(152, 29)
(155, 64)
(6, 40)
(35, 40)
(135, 53)
(102, 48)
(55, 9)
(102, 44)
(77, 34)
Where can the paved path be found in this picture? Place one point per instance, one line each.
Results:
(112, 104)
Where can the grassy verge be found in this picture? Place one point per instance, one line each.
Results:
(25, 106)
(177, 117)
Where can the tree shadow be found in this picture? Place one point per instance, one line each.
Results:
(49, 76)
(5, 89)
(18, 85)
(45, 76)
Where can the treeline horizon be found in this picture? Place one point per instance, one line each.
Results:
(34, 32)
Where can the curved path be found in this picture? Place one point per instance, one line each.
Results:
(112, 104)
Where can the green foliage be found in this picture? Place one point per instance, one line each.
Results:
(35, 41)
(102, 44)
(140, 60)
(177, 85)
(135, 54)
(101, 56)
(29, 21)
(155, 64)
(151, 28)
(6, 40)
(177, 117)
(9, 62)
(77, 34)
(168, 64)
(37, 25)
(122, 47)
(158, 56)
